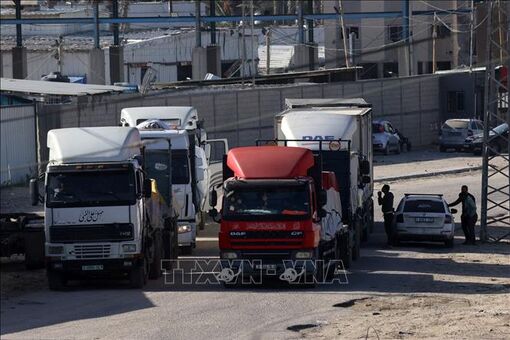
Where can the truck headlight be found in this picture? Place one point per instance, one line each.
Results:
(183, 229)
(55, 250)
(229, 255)
(129, 248)
(304, 255)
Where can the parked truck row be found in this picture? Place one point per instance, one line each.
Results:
(118, 200)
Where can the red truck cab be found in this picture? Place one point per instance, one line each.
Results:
(272, 206)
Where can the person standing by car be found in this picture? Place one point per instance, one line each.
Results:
(386, 203)
(469, 216)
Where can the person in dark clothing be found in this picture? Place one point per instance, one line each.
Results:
(469, 216)
(386, 203)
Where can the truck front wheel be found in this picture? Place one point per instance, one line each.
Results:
(345, 251)
(56, 280)
(137, 277)
(155, 267)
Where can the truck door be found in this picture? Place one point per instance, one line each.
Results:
(215, 149)
(158, 165)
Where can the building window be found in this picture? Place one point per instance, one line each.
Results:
(390, 70)
(184, 71)
(349, 30)
(369, 71)
(441, 31)
(395, 33)
(455, 101)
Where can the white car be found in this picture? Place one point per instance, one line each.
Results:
(424, 217)
(385, 138)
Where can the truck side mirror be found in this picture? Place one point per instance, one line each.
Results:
(364, 167)
(34, 191)
(147, 188)
(323, 198)
(366, 179)
(213, 198)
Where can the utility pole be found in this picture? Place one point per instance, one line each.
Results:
(243, 60)
(405, 33)
(96, 24)
(252, 63)
(471, 28)
(495, 207)
(434, 36)
(59, 54)
(268, 51)
(344, 35)
(198, 33)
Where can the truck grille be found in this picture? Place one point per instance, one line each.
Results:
(92, 233)
(92, 251)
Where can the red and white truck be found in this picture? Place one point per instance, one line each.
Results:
(278, 205)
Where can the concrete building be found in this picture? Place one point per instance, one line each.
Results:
(376, 41)
(166, 53)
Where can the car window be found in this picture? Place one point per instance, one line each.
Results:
(479, 125)
(424, 206)
(456, 124)
(377, 127)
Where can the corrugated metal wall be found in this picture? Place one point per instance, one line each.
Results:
(17, 143)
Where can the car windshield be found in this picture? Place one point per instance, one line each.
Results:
(267, 201)
(499, 129)
(90, 188)
(424, 206)
(157, 165)
(456, 124)
(376, 127)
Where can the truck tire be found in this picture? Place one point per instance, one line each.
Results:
(137, 276)
(56, 280)
(357, 241)
(155, 267)
(345, 251)
(186, 250)
(201, 224)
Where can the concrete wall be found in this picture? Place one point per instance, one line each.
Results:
(244, 115)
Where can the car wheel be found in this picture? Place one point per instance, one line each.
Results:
(449, 243)
(186, 250)
(387, 149)
(399, 149)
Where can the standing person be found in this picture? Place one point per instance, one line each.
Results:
(386, 203)
(469, 216)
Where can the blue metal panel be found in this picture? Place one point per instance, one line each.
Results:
(209, 19)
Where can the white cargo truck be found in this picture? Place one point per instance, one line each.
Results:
(104, 216)
(194, 170)
(347, 124)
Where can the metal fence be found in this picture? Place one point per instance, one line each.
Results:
(18, 146)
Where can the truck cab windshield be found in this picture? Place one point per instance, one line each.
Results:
(267, 202)
(90, 188)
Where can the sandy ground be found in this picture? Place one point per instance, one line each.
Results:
(478, 306)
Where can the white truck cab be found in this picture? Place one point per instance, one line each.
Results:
(103, 215)
(192, 176)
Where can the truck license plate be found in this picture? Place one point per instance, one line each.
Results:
(265, 266)
(92, 267)
(424, 220)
